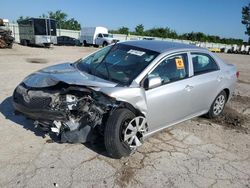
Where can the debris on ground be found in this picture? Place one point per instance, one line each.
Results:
(6, 40)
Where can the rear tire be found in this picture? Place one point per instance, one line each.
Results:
(24, 42)
(218, 105)
(47, 45)
(85, 43)
(115, 147)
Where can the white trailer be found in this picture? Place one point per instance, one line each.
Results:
(97, 36)
(37, 31)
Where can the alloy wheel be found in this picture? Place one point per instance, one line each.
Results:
(134, 132)
(219, 104)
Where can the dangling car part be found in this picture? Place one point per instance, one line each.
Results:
(126, 91)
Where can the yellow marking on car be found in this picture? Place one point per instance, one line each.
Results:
(179, 63)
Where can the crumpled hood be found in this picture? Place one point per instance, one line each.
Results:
(67, 73)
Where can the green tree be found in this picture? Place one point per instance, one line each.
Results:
(123, 30)
(63, 22)
(246, 19)
(61, 18)
(157, 32)
(21, 18)
(139, 29)
(166, 32)
(161, 32)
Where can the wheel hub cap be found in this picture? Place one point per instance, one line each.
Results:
(134, 132)
(219, 104)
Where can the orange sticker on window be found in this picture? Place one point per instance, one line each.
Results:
(179, 63)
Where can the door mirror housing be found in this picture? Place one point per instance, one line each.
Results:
(152, 82)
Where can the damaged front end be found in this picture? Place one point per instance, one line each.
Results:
(70, 111)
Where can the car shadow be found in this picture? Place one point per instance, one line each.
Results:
(96, 143)
(7, 110)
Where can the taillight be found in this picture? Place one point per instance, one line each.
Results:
(237, 74)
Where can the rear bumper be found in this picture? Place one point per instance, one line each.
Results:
(45, 39)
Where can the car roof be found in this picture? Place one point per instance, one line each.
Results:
(160, 46)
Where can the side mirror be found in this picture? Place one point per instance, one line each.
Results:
(152, 82)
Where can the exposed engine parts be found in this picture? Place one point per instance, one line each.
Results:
(72, 112)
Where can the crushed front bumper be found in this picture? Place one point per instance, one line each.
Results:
(38, 106)
(35, 107)
(39, 114)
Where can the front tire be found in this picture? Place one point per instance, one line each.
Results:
(104, 44)
(123, 133)
(218, 105)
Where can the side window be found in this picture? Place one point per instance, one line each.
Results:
(100, 35)
(172, 69)
(203, 63)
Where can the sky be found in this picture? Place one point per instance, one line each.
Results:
(214, 17)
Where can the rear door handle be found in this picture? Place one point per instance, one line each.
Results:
(189, 87)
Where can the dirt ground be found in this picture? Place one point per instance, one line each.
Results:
(195, 153)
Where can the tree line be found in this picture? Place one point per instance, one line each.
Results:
(63, 22)
(166, 32)
(61, 18)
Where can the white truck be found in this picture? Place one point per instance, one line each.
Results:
(97, 36)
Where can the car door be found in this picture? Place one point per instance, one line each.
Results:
(66, 41)
(98, 40)
(205, 82)
(169, 102)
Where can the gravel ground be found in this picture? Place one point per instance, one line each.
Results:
(195, 153)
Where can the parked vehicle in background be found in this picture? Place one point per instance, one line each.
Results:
(6, 40)
(37, 31)
(242, 49)
(235, 49)
(67, 41)
(148, 38)
(216, 50)
(97, 36)
(225, 49)
(245, 49)
(126, 92)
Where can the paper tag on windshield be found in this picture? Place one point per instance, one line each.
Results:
(179, 63)
(136, 52)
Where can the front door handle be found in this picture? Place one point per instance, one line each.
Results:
(189, 87)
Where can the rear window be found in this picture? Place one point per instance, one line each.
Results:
(40, 26)
(203, 63)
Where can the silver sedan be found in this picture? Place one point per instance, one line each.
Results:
(126, 92)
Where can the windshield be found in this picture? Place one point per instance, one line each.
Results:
(108, 35)
(119, 63)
